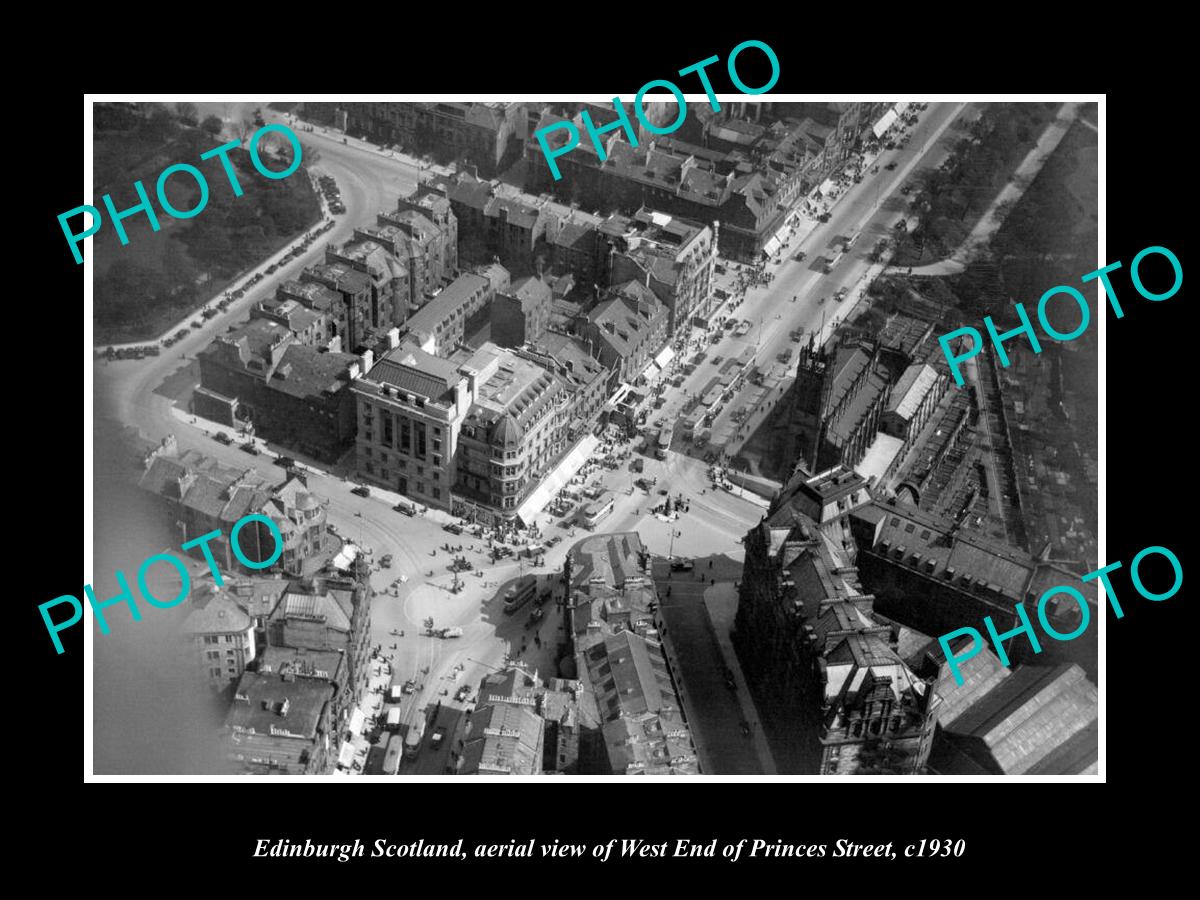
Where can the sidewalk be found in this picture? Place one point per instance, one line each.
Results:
(721, 603)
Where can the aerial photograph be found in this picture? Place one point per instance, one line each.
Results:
(510, 437)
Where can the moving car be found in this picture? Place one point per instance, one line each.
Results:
(841, 294)
(438, 734)
(386, 560)
(890, 166)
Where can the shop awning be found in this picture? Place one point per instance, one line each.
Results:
(885, 123)
(826, 187)
(356, 721)
(771, 246)
(651, 371)
(664, 357)
(346, 756)
(558, 478)
(622, 391)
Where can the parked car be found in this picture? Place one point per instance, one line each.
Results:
(386, 560)
(222, 438)
(249, 447)
(361, 490)
(453, 528)
(407, 508)
(285, 461)
(890, 166)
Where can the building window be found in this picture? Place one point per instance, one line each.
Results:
(216, 673)
(229, 638)
(214, 654)
(370, 469)
(437, 493)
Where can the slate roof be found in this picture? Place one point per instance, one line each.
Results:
(305, 698)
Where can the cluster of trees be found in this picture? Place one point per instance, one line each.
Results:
(954, 196)
(140, 292)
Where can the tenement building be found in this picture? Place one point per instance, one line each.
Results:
(936, 574)
(836, 695)
(292, 392)
(486, 134)
(279, 725)
(514, 432)
(627, 330)
(633, 722)
(674, 257)
(204, 495)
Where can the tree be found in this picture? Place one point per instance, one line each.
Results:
(187, 113)
(213, 125)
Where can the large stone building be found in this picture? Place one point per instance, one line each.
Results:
(835, 693)
(514, 432)
(411, 406)
(522, 727)
(486, 134)
(279, 725)
(520, 314)
(913, 399)
(835, 405)
(674, 257)
(355, 289)
(292, 392)
(311, 327)
(204, 495)
(458, 311)
(936, 575)
(1032, 720)
(322, 301)
(632, 719)
(585, 376)
(628, 329)
(327, 614)
(219, 637)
